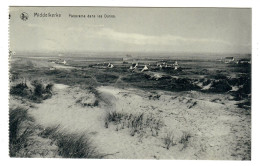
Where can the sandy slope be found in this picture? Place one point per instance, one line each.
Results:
(218, 129)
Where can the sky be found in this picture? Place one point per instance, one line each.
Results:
(189, 30)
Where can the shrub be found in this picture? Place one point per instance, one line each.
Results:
(49, 88)
(96, 93)
(96, 103)
(206, 82)
(38, 93)
(154, 97)
(115, 117)
(38, 88)
(168, 140)
(135, 77)
(185, 139)
(220, 86)
(220, 76)
(246, 105)
(106, 78)
(20, 89)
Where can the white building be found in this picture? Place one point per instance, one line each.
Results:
(229, 59)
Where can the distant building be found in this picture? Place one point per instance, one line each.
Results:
(168, 65)
(244, 61)
(229, 59)
(176, 65)
(133, 66)
(128, 58)
(58, 61)
(219, 60)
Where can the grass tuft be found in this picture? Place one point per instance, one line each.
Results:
(137, 123)
(168, 140)
(71, 145)
(76, 146)
(22, 133)
(19, 136)
(185, 139)
(49, 132)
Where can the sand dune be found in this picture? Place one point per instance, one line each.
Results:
(216, 129)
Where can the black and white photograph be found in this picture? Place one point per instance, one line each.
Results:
(171, 83)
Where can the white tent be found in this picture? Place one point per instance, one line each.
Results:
(110, 65)
(136, 65)
(145, 68)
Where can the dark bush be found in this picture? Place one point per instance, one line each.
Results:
(135, 77)
(206, 82)
(39, 90)
(220, 76)
(20, 89)
(106, 78)
(48, 88)
(165, 77)
(244, 91)
(241, 80)
(165, 83)
(184, 84)
(245, 104)
(38, 93)
(96, 103)
(220, 86)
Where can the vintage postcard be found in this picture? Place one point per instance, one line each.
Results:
(130, 83)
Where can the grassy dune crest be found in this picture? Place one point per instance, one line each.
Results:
(27, 139)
